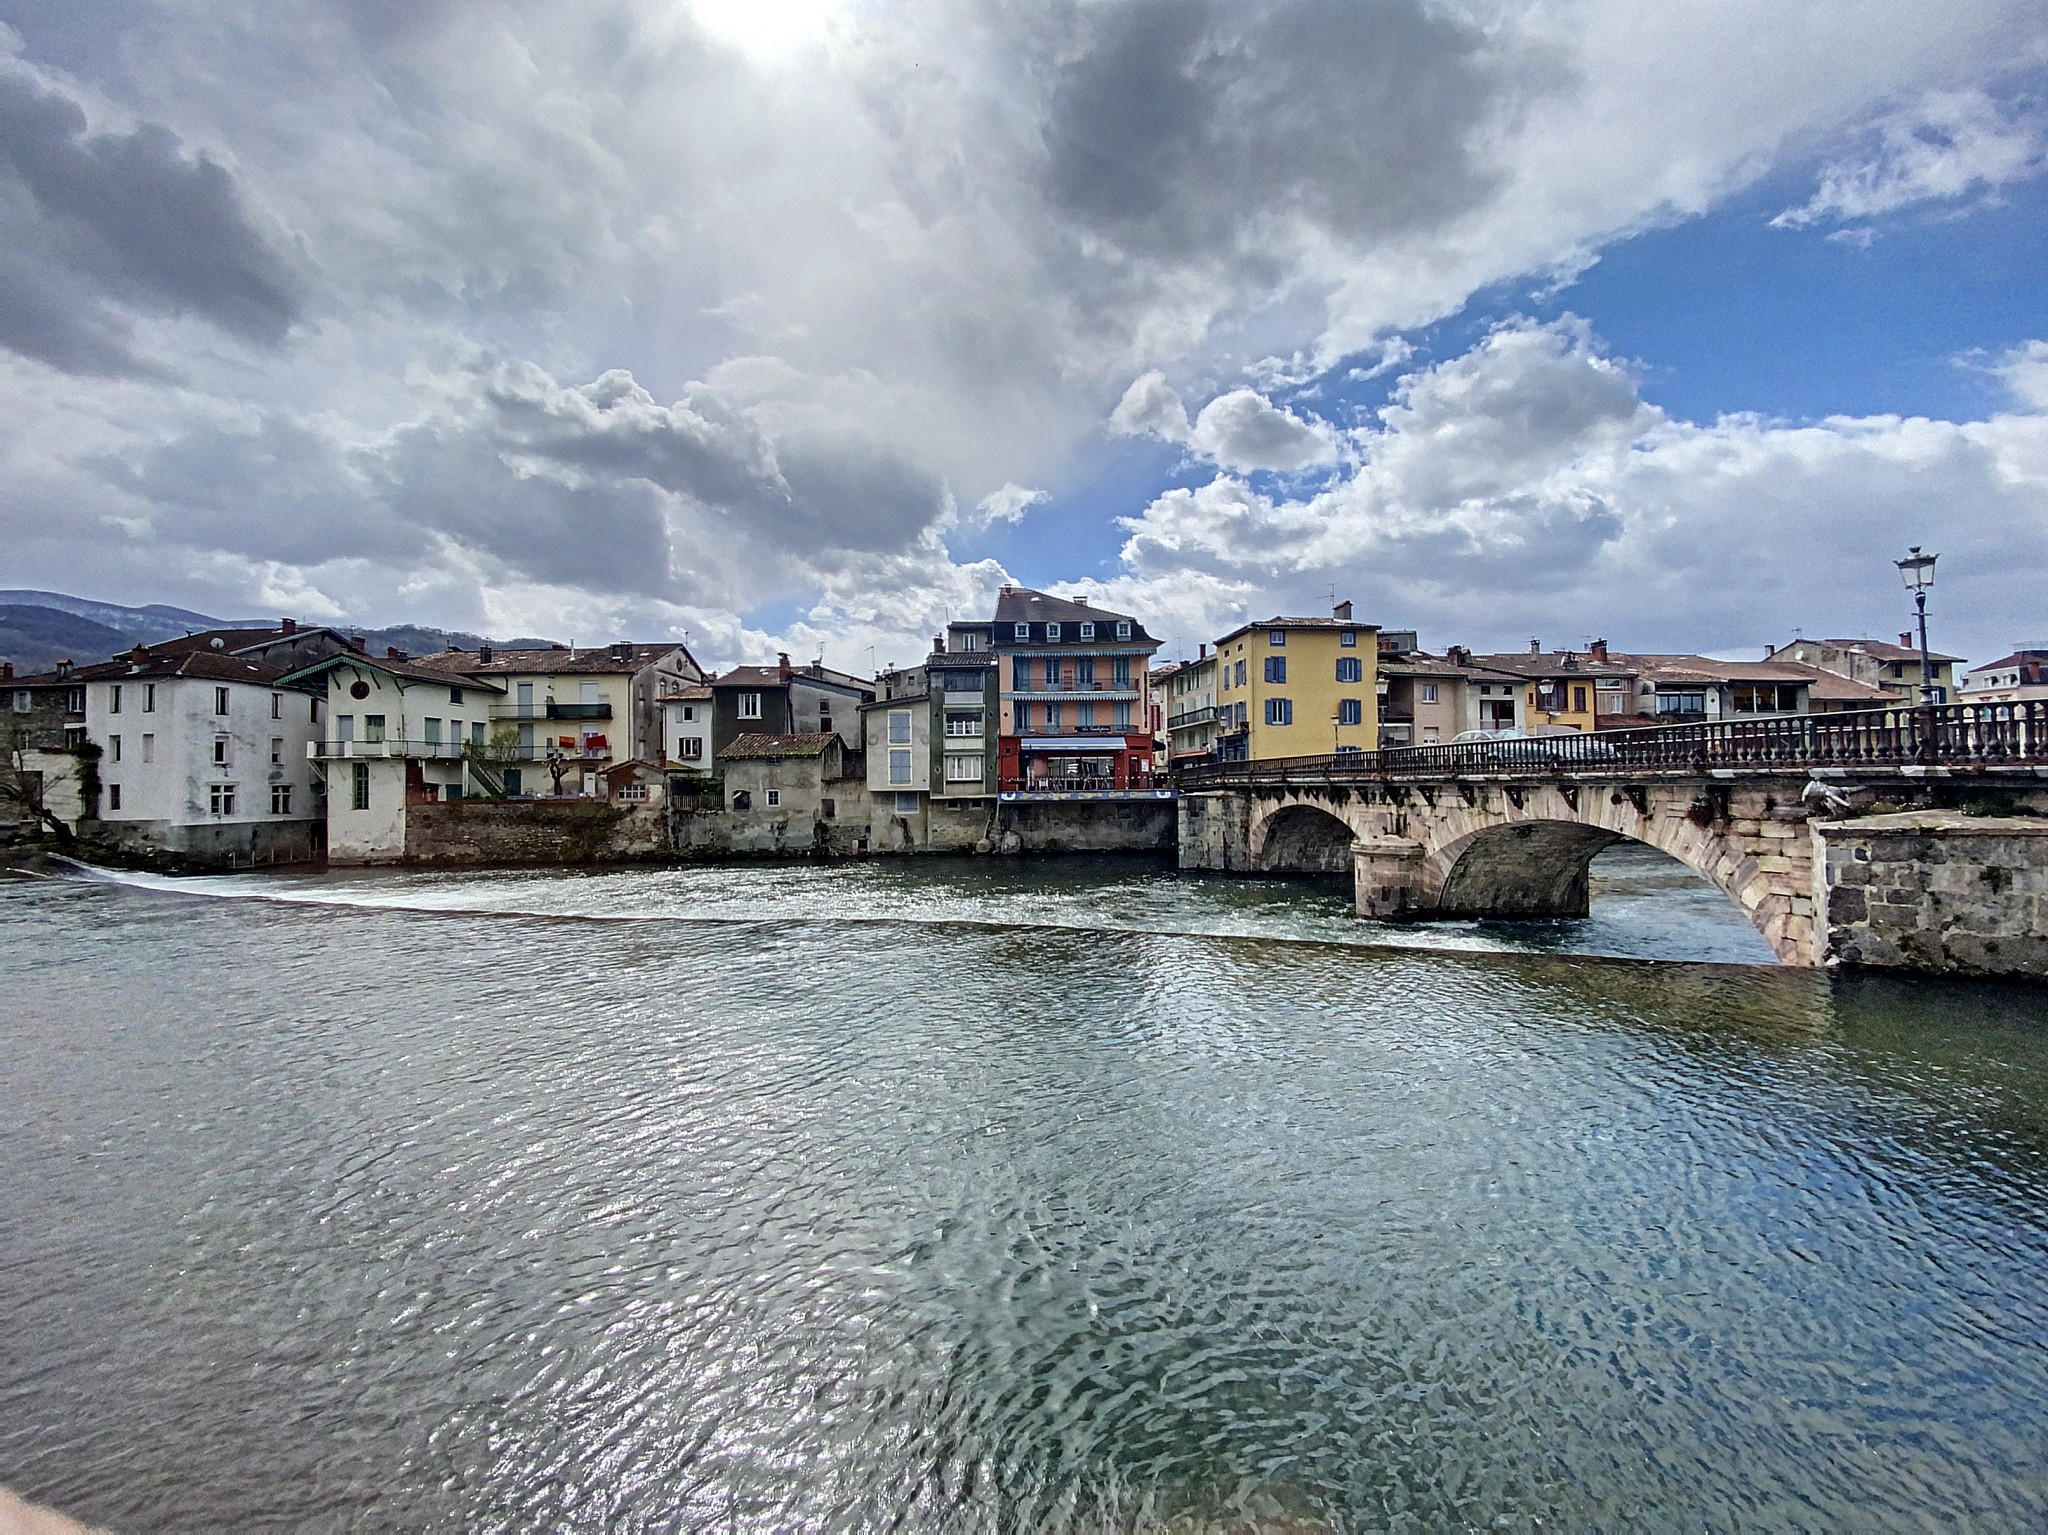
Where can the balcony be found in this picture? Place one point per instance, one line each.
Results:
(395, 746)
(1190, 717)
(552, 711)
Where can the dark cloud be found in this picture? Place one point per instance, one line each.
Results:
(97, 226)
(1180, 127)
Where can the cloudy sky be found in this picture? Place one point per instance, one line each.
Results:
(804, 324)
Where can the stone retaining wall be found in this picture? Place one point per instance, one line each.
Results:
(1936, 891)
(482, 831)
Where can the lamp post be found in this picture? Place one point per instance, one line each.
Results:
(1918, 571)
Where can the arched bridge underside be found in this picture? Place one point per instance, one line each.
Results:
(1517, 850)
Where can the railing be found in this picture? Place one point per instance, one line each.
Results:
(342, 751)
(552, 711)
(1190, 717)
(1944, 735)
(1095, 783)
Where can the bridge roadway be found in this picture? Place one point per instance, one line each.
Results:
(1910, 837)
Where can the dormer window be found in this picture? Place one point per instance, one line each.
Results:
(1123, 631)
(1087, 631)
(1052, 631)
(1023, 631)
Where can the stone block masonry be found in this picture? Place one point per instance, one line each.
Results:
(1934, 890)
(480, 831)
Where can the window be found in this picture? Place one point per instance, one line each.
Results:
(906, 804)
(963, 769)
(113, 796)
(1350, 669)
(1123, 631)
(1276, 668)
(750, 706)
(1898, 669)
(1350, 711)
(1023, 631)
(114, 699)
(742, 800)
(220, 700)
(220, 750)
(1348, 638)
(277, 751)
(963, 722)
(1279, 711)
(24, 700)
(149, 748)
(280, 799)
(1120, 672)
(313, 710)
(431, 731)
(1052, 716)
(586, 693)
(277, 706)
(899, 766)
(1276, 636)
(113, 748)
(1084, 715)
(899, 727)
(74, 701)
(455, 697)
(1052, 631)
(373, 727)
(1123, 714)
(149, 698)
(1087, 631)
(1763, 698)
(476, 733)
(1428, 691)
(828, 808)
(515, 783)
(689, 713)
(774, 797)
(1579, 699)
(1240, 674)
(691, 748)
(220, 798)
(1023, 716)
(359, 786)
(1084, 672)
(1682, 703)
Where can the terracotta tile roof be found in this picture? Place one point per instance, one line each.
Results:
(771, 677)
(207, 665)
(407, 670)
(764, 747)
(693, 693)
(594, 660)
(1882, 650)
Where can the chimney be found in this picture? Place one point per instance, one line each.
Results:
(483, 655)
(138, 657)
(393, 653)
(1458, 655)
(1535, 647)
(1906, 641)
(1769, 651)
(938, 644)
(288, 625)
(6, 671)
(1202, 650)
(1598, 651)
(1341, 612)
(782, 669)
(358, 644)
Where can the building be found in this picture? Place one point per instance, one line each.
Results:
(1686, 689)
(1298, 687)
(686, 713)
(200, 753)
(574, 712)
(1428, 700)
(400, 733)
(1075, 697)
(2021, 677)
(1566, 689)
(1895, 669)
(785, 700)
(927, 735)
(788, 792)
(1188, 693)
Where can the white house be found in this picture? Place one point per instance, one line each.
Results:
(686, 726)
(204, 754)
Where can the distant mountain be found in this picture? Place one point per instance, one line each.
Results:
(38, 629)
(36, 638)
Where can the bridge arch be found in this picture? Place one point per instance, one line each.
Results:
(1300, 838)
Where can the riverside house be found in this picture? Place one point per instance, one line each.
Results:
(1298, 687)
(1074, 686)
(786, 700)
(931, 746)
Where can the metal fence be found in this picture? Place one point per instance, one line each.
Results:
(1946, 735)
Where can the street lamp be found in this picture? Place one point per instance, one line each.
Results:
(1918, 572)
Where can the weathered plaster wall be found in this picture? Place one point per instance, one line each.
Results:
(480, 831)
(1937, 891)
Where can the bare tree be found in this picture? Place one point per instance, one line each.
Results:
(490, 761)
(24, 788)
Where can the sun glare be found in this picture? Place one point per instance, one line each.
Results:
(767, 29)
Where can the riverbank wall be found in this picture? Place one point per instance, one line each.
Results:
(1936, 891)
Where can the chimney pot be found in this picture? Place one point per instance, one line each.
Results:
(1341, 612)
(1535, 647)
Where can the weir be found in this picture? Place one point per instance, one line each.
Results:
(1901, 838)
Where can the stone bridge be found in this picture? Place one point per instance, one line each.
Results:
(1886, 851)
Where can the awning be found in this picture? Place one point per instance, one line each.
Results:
(1071, 744)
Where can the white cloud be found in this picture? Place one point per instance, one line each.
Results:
(1240, 430)
(1948, 145)
(1008, 504)
(1526, 486)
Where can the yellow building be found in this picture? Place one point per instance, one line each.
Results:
(1298, 687)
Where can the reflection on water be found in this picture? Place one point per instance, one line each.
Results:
(992, 1196)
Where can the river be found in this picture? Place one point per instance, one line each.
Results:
(998, 1195)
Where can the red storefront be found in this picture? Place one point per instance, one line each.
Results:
(1074, 762)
